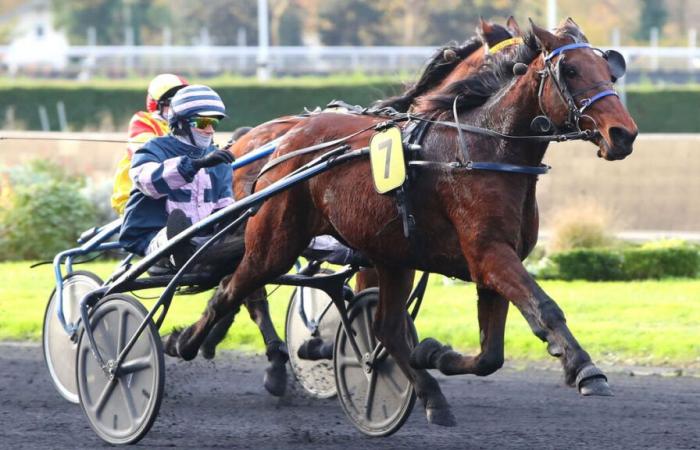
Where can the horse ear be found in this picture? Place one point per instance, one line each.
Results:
(569, 22)
(513, 26)
(484, 27)
(547, 40)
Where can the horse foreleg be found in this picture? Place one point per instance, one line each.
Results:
(390, 327)
(500, 269)
(493, 310)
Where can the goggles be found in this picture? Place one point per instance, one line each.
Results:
(203, 122)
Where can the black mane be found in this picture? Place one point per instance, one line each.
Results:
(435, 71)
(490, 78)
(493, 75)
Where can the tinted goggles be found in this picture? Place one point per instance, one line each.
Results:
(203, 122)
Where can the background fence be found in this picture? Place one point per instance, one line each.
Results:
(672, 65)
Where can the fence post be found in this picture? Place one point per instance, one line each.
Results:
(167, 42)
(263, 42)
(241, 41)
(44, 118)
(89, 60)
(654, 43)
(61, 111)
(692, 46)
(129, 42)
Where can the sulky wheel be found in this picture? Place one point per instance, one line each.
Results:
(316, 377)
(122, 409)
(377, 397)
(58, 348)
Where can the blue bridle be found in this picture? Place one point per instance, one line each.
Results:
(575, 112)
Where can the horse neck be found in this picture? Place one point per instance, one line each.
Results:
(509, 111)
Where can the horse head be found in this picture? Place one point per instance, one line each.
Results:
(576, 89)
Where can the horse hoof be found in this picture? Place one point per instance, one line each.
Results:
(183, 350)
(275, 380)
(591, 381)
(423, 355)
(170, 344)
(595, 387)
(207, 352)
(555, 349)
(441, 416)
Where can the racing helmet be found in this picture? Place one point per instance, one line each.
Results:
(195, 100)
(161, 89)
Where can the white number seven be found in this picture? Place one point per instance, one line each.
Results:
(386, 144)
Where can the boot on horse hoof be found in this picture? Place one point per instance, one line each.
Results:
(441, 416)
(315, 349)
(426, 354)
(275, 380)
(591, 381)
(207, 351)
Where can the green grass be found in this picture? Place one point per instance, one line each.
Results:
(647, 322)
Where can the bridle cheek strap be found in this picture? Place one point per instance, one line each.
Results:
(587, 102)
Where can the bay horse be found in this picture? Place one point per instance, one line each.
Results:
(448, 64)
(476, 225)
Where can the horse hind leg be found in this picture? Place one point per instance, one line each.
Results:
(275, 380)
(390, 327)
(186, 342)
(492, 310)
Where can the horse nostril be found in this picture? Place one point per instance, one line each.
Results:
(622, 137)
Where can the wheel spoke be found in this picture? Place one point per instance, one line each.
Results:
(104, 341)
(128, 399)
(369, 319)
(104, 396)
(121, 331)
(392, 384)
(369, 400)
(347, 361)
(135, 365)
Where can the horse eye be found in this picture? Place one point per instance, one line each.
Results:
(570, 72)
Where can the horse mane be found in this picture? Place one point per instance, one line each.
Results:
(493, 75)
(435, 71)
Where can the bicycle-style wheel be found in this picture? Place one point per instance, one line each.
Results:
(316, 377)
(58, 348)
(377, 397)
(120, 408)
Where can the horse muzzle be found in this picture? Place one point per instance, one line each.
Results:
(617, 145)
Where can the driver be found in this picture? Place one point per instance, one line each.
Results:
(144, 126)
(179, 178)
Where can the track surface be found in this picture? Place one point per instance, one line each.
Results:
(223, 404)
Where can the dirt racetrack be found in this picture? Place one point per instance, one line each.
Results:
(222, 404)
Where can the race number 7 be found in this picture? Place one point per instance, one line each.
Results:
(387, 164)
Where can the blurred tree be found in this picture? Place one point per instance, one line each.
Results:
(652, 14)
(288, 29)
(110, 18)
(357, 22)
(222, 19)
